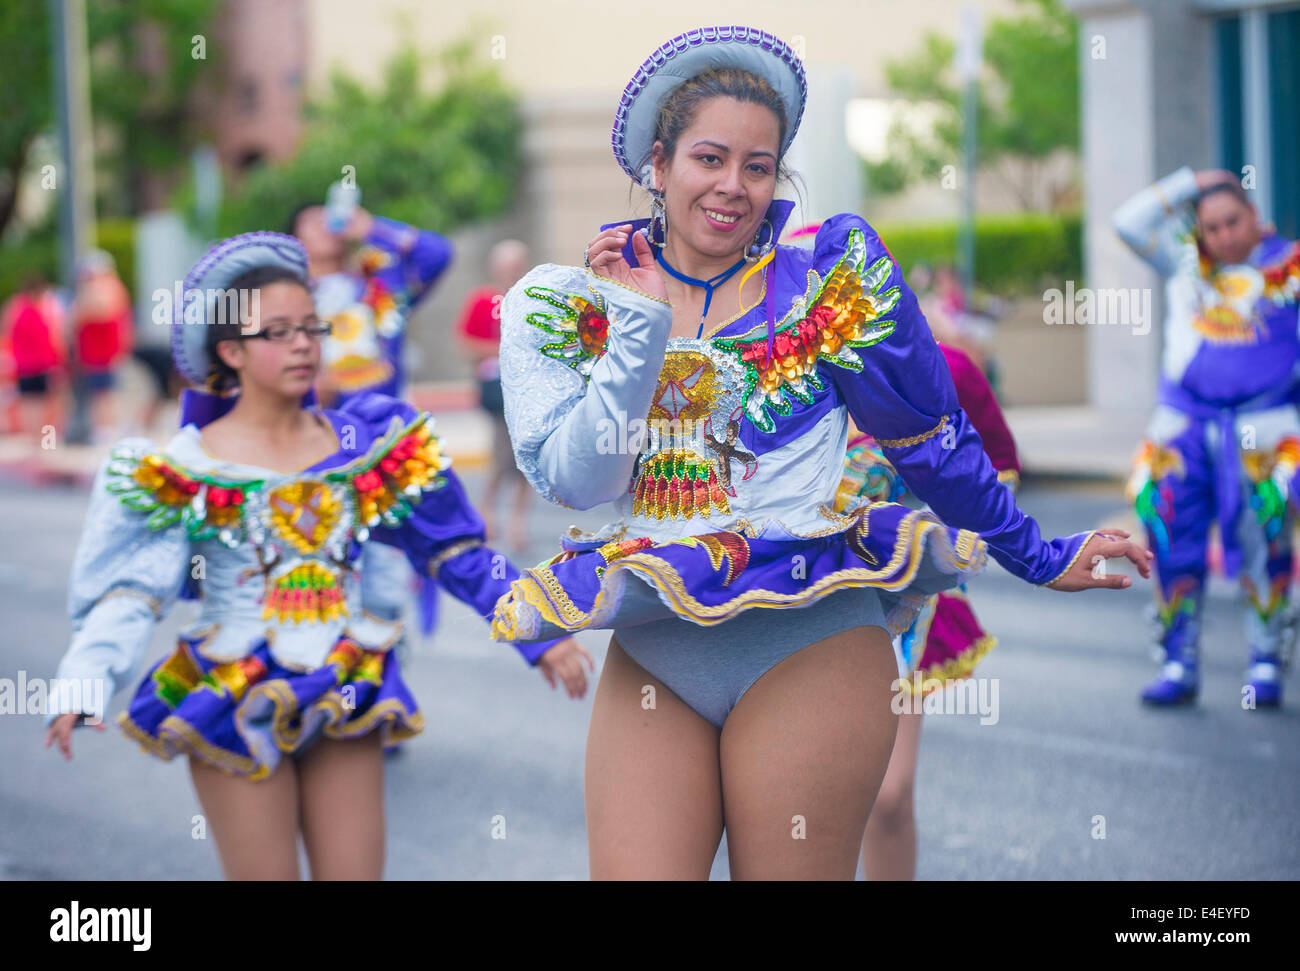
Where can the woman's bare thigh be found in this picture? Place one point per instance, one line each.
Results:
(653, 791)
(254, 824)
(342, 783)
(803, 754)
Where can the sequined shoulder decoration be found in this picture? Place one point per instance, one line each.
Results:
(381, 487)
(397, 471)
(846, 310)
(1282, 279)
(153, 484)
(580, 325)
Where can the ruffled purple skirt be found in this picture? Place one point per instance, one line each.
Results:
(907, 555)
(243, 716)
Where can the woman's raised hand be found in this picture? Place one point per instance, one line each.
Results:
(605, 257)
(1089, 568)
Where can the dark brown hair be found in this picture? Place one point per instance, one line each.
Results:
(221, 376)
(1233, 189)
(679, 109)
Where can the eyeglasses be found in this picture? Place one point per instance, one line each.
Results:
(285, 333)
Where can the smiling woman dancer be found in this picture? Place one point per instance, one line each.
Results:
(714, 709)
(265, 503)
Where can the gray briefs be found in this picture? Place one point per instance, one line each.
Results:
(710, 668)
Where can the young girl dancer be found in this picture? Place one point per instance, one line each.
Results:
(945, 643)
(1223, 443)
(714, 709)
(264, 503)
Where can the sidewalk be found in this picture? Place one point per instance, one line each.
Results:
(1076, 441)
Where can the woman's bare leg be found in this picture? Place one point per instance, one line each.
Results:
(803, 754)
(889, 846)
(254, 824)
(653, 791)
(342, 783)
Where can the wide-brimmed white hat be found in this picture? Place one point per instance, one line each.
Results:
(216, 270)
(690, 54)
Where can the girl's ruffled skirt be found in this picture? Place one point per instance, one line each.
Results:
(945, 643)
(908, 555)
(243, 716)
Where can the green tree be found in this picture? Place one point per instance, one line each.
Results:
(143, 73)
(437, 144)
(138, 101)
(24, 93)
(1028, 104)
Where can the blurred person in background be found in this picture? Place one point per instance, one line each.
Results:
(479, 333)
(945, 642)
(32, 324)
(367, 278)
(102, 325)
(367, 275)
(1224, 440)
(952, 320)
(152, 349)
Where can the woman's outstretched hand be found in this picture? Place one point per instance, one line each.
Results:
(1089, 568)
(60, 731)
(605, 257)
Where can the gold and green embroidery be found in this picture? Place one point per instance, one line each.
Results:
(581, 325)
(845, 311)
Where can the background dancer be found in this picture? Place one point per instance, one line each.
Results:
(367, 275)
(946, 641)
(263, 501)
(1224, 440)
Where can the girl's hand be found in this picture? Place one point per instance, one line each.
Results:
(564, 662)
(605, 257)
(61, 730)
(1089, 567)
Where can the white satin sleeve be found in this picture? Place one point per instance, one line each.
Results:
(568, 410)
(1154, 221)
(125, 576)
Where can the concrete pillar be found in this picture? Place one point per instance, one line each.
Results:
(1145, 88)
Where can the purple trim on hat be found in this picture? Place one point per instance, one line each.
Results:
(287, 247)
(699, 37)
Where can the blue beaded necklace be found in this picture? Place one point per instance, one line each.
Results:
(711, 284)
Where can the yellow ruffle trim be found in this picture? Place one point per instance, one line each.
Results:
(177, 736)
(954, 669)
(1086, 540)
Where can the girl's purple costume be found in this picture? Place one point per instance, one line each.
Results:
(1224, 441)
(282, 651)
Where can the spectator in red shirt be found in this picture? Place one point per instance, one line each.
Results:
(102, 324)
(32, 325)
(479, 333)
